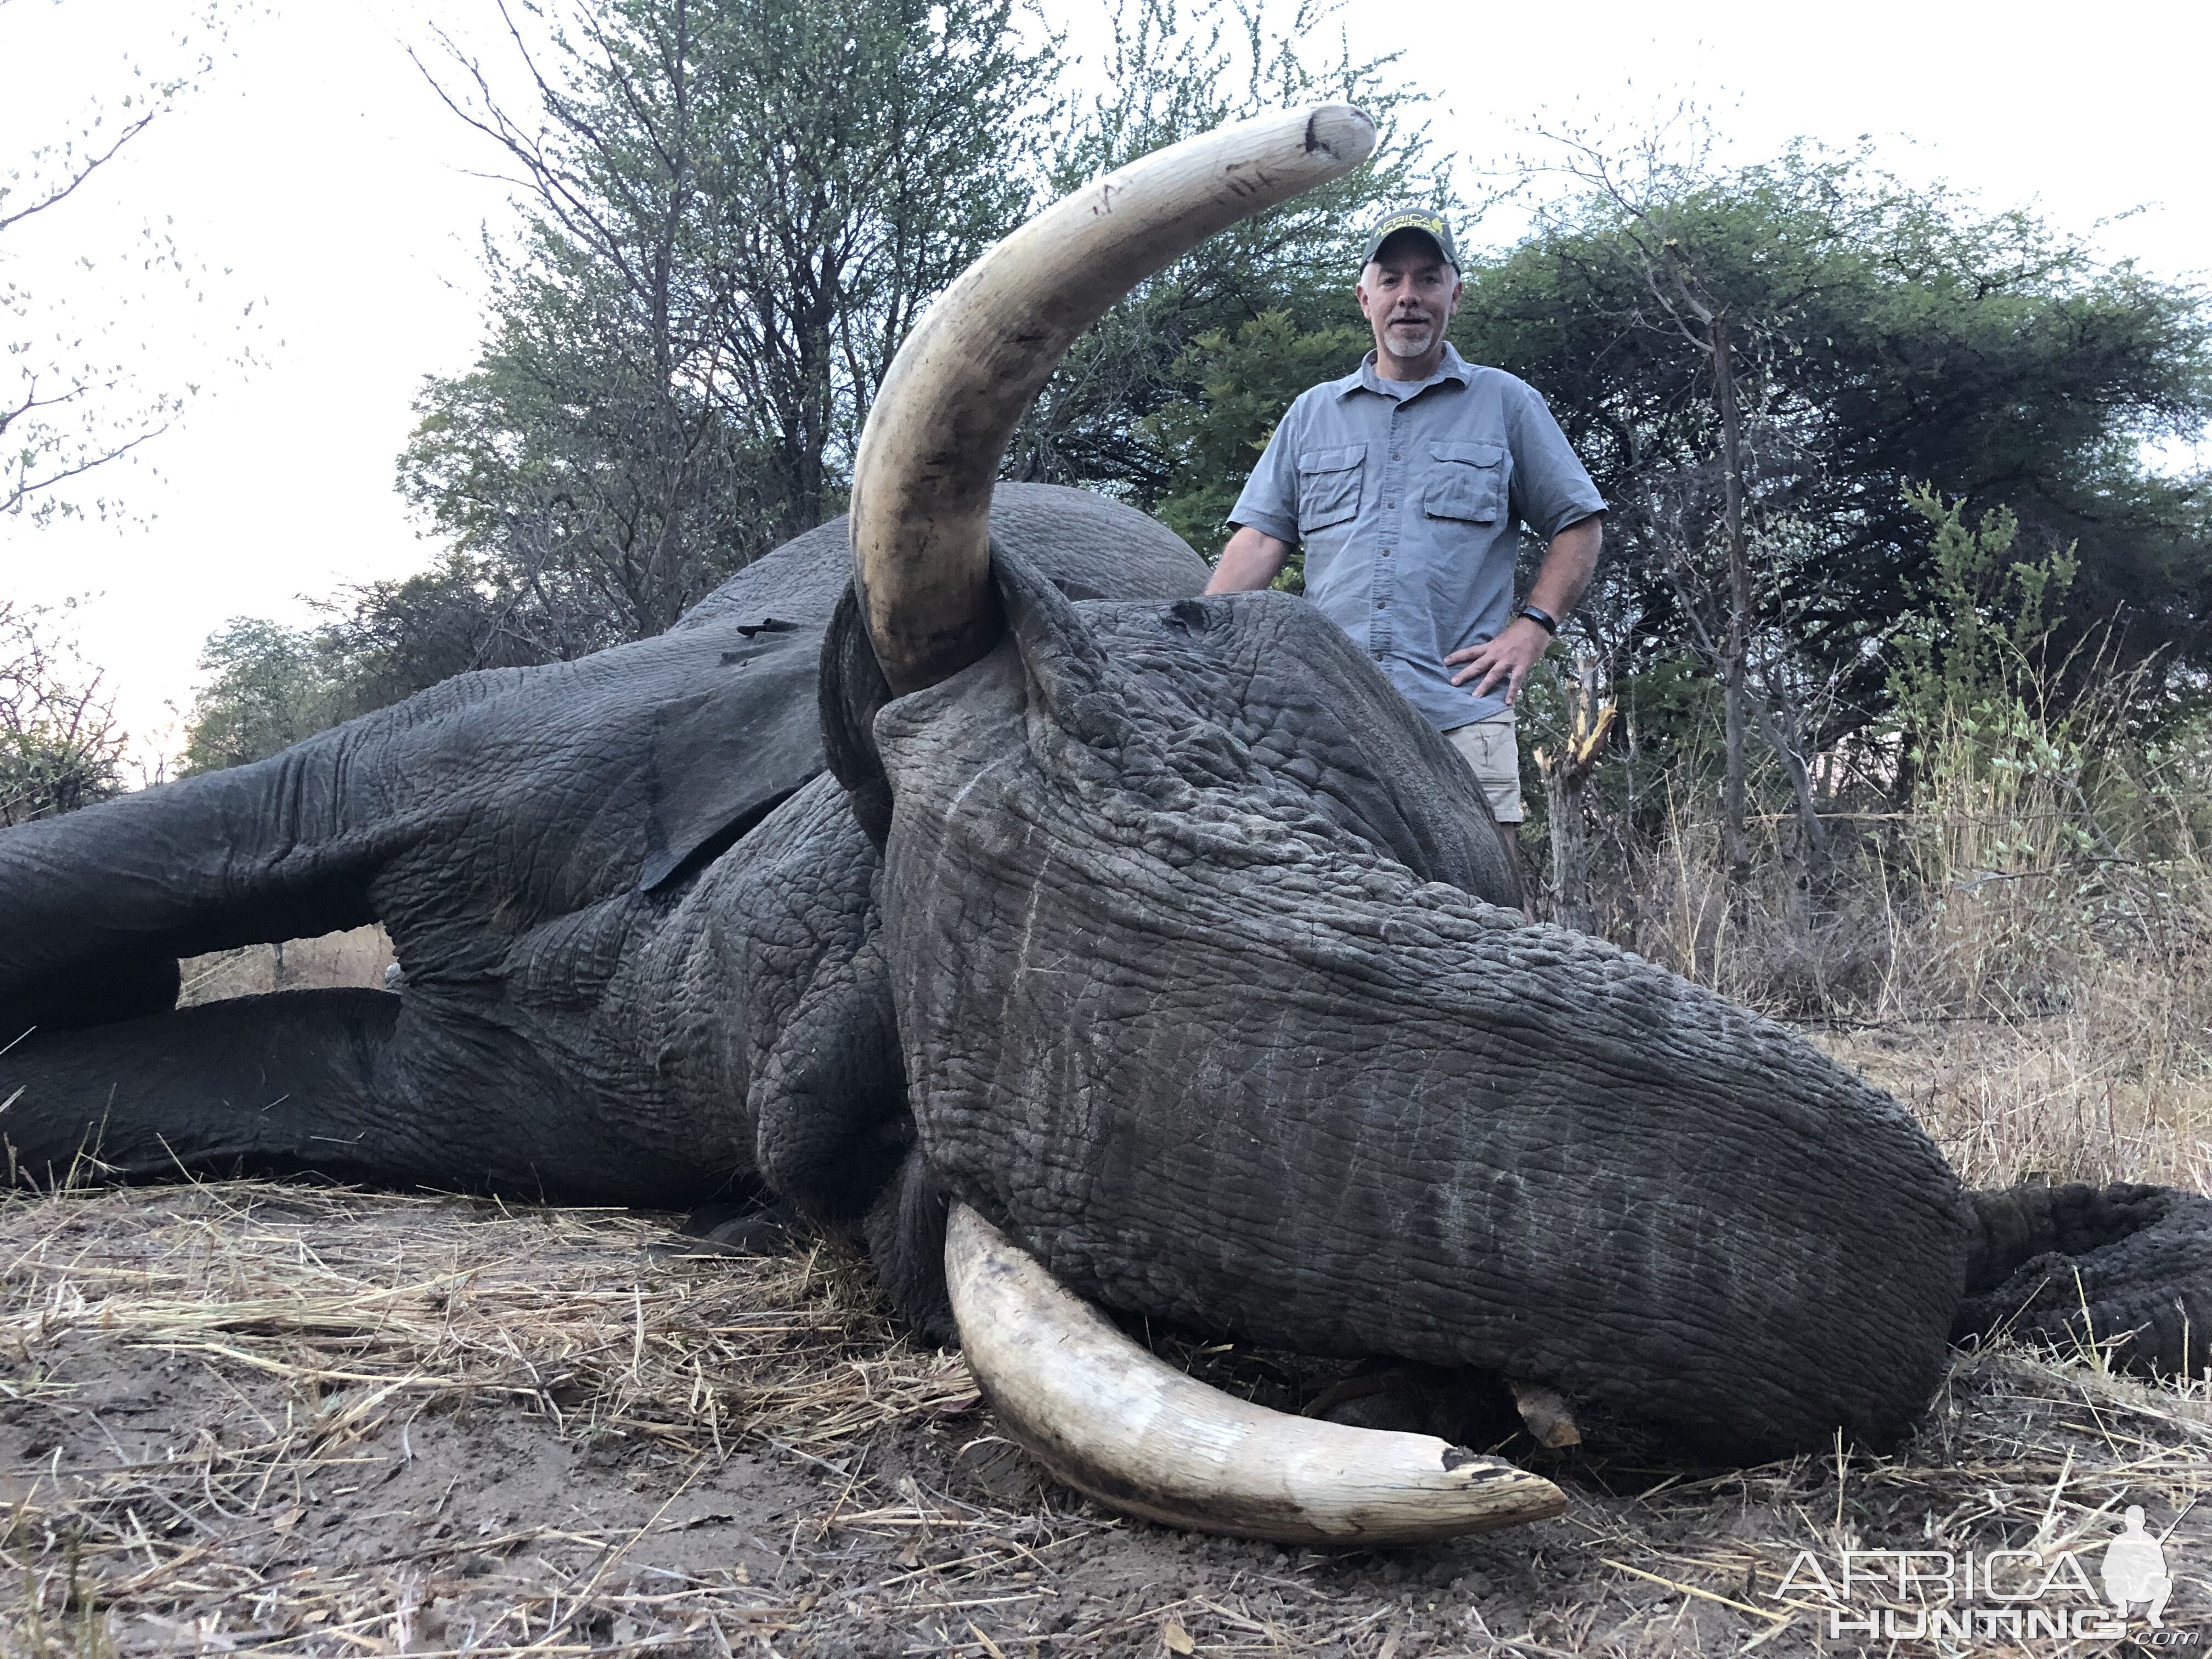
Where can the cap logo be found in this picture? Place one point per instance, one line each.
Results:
(1398, 221)
(1422, 223)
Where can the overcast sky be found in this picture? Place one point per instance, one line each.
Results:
(318, 180)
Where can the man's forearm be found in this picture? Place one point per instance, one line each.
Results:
(1251, 561)
(1569, 563)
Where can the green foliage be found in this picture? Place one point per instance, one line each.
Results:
(737, 212)
(1245, 382)
(1999, 759)
(60, 748)
(1666, 743)
(1883, 335)
(1982, 620)
(396, 638)
(1173, 73)
(269, 687)
(740, 208)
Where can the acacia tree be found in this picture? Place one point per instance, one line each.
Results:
(269, 686)
(736, 208)
(1665, 235)
(1875, 337)
(60, 748)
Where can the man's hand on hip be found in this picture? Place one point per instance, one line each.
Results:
(1508, 658)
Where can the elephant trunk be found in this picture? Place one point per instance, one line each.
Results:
(921, 484)
(2126, 1268)
(2015, 1225)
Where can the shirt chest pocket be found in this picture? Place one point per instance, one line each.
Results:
(1329, 486)
(1467, 482)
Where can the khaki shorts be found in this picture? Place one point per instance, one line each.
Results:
(1491, 749)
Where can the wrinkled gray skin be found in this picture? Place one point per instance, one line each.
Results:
(1166, 935)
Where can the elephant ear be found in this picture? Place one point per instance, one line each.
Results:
(853, 693)
(724, 760)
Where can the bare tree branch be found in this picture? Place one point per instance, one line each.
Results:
(62, 191)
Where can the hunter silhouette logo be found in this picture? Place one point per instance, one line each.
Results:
(2134, 1569)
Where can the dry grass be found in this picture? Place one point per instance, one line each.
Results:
(334, 1326)
(2044, 1035)
(2035, 977)
(258, 1418)
(2075, 1095)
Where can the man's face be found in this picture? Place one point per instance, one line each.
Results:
(1408, 294)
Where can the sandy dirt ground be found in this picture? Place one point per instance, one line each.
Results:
(251, 1418)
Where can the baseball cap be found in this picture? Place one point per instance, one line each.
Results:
(1430, 224)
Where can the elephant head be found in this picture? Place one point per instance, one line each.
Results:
(1153, 936)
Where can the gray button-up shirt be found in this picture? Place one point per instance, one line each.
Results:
(1408, 497)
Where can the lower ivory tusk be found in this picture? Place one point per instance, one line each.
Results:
(1111, 1420)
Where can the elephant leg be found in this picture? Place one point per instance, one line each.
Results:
(269, 1083)
(2126, 1264)
(97, 905)
(830, 1103)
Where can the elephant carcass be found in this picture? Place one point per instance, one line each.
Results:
(1155, 928)
(636, 917)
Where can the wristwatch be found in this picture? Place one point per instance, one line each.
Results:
(1543, 619)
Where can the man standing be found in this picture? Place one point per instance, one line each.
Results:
(1407, 481)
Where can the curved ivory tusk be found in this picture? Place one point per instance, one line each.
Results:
(922, 484)
(1139, 1436)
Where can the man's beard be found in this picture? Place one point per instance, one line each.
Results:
(1402, 344)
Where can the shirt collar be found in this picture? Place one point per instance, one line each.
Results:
(1454, 368)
